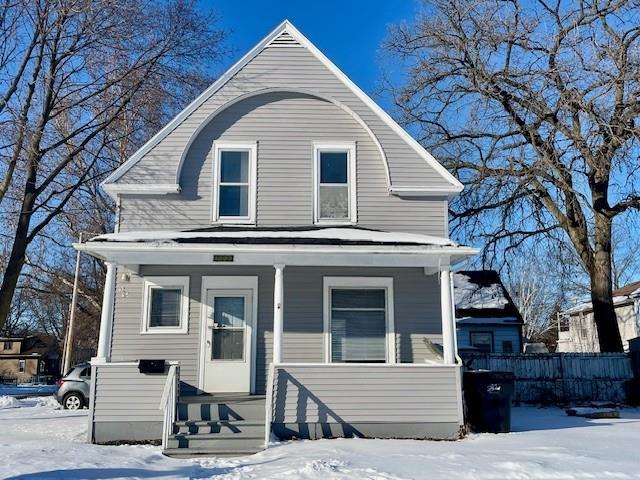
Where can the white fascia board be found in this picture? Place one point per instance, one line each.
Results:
(424, 191)
(285, 26)
(115, 189)
(303, 255)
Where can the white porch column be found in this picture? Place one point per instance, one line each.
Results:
(448, 325)
(278, 305)
(106, 317)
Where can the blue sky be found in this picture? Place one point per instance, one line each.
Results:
(349, 32)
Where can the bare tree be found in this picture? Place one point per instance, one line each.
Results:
(538, 300)
(534, 105)
(72, 73)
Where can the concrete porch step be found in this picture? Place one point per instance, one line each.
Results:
(221, 408)
(205, 452)
(219, 427)
(217, 442)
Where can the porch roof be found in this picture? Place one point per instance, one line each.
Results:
(293, 246)
(279, 236)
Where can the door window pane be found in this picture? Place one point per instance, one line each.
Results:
(228, 312)
(358, 325)
(227, 340)
(333, 167)
(165, 307)
(227, 344)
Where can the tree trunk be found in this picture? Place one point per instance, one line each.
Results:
(19, 247)
(604, 313)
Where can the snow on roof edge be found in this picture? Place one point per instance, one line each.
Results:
(330, 233)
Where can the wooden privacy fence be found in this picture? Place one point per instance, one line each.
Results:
(561, 377)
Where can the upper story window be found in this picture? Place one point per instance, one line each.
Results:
(234, 190)
(8, 345)
(334, 183)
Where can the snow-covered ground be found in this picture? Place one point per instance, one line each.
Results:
(40, 441)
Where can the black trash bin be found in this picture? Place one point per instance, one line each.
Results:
(488, 399)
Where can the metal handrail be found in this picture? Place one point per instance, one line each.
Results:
(168, 402)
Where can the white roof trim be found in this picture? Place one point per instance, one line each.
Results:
(130, 253)
(114, 189)
(287, 27)
(419, 191)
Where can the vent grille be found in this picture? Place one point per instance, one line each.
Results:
(285, 39)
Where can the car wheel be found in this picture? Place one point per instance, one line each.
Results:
(73, 401)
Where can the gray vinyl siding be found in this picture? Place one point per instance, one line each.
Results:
(365, 394)
(416, 300)
(129, 344)
(284, 65)
(284, 125)
(123, 394)
(500, 333)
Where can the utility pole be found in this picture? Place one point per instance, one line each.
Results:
(68, 348)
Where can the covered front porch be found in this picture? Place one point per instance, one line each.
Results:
(345, 333)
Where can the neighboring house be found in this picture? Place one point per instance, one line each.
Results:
(23, 358)
(284, 244)
(577, 329)
(487, 319)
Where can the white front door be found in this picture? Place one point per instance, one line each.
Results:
(229, 326)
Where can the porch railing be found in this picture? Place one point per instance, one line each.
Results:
(168, 402)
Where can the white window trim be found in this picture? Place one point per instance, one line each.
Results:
(252, 148)
(350, 148)
(165, 282)
(359, 282)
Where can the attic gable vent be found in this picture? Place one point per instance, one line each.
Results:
(285, 39)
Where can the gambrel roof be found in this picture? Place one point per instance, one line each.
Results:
(285, 60)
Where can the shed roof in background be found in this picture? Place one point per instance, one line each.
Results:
(481, 298)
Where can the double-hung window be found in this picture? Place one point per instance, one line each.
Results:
(334, 183)
(165, 305)
(358, 320)
(234, 183)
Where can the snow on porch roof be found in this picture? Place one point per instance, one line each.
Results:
(280, 236)
(481, 297)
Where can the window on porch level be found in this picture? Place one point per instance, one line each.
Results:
(358, 325)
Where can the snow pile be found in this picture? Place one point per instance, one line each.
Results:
(9, 402)
(545, 444)
(470, 295)
(334, 234)
(591, 412)
(48, 402)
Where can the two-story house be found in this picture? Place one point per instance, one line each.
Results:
(283, 245)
